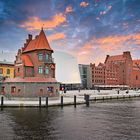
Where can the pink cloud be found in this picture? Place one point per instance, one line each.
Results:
(84, 4)
(68, 9)
(56, 36)
(36, 23)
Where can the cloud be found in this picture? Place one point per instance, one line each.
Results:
(106, 11)
(117, 41)
(96, 49)
(56, 36)
(68, 9)
(36, 23)
(84, 4)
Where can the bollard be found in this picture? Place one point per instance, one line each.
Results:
(75, 101)
(95, 98)
(123, 96)
(39, 101)
(110, 97)
(61, 101)
(2, 101)
(87, 100)
(129, 96)
(47, 102)
(103, 98)
(117, 97)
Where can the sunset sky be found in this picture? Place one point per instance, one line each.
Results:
(88, 29)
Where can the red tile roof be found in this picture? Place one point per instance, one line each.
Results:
(30, 79)
(39, 43)
(26, 60)
(116, 58)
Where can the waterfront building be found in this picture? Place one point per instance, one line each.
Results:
(120, 70)
(98, 74)
(34, 70)
(6, 69)
(85, 75)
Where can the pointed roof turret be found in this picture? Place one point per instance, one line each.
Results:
(39, 43)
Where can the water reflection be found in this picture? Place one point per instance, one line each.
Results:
(117, 120)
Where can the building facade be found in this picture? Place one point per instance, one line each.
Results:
(117, 70)
(34, 70)
(85, 75)
(6, 69)
(98, 74)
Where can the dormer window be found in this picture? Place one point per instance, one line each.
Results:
(40, 56)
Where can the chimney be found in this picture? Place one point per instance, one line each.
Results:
(30, 37)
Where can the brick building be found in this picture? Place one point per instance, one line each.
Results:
(117, 70)
(34, 70)
(98, 74)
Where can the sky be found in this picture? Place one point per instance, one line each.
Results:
(87, 29)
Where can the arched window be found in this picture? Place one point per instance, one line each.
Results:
(40, 69)
(47, 70)
(8, 71)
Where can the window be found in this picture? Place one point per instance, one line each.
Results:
(1, 71)
(13, 89)
(47, 56)
(40, 69)
(2, 89)
(40, 56)
(136, 77)
(47, 70)
(41, 90)
(8, 71)
(18, 69)
(19, 90)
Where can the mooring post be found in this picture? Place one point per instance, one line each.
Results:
(47, 101)
(61, 101)
(2, 101)
(75, 101)
(39, 101)
(87, 100)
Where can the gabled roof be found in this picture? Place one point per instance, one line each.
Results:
(26, 60)
(39, 43)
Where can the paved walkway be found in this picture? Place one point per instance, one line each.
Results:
(68, 98)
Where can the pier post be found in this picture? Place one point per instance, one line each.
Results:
(39, 101)
(87, 100)
(61, 101)
(47, 102)
(2, 101)
(75, 101)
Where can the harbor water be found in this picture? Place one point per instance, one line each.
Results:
(108, 120)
